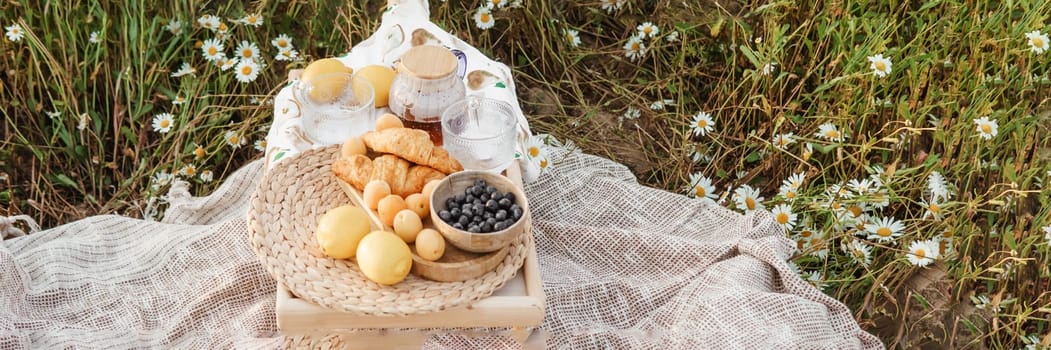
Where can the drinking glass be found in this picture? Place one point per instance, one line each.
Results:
(335, 106)
(480, 133)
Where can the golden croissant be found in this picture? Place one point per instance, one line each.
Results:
(404, 178)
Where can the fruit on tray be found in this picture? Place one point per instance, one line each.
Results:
(380, 77)
(388, 121)
(340, 229)
(326, 88)
(384, 257)
(374, 191)
(430, 245)
(481, 209)
(419, 203)
(389, 207)
(407, 225)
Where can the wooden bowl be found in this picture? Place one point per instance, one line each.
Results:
(477, 242)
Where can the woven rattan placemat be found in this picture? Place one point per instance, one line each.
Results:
(281, 221)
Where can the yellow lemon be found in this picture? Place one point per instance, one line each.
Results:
(380, 77)
(340, 229)
(384, 257)
(327, 86)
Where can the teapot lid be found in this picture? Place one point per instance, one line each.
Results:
(429, 62)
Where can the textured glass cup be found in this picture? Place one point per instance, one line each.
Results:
(335, 106)
(480, 133)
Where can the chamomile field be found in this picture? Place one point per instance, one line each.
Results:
(902, 144)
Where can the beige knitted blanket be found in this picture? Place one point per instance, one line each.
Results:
(624, 266)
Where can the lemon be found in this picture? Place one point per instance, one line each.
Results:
(340, 229)
(327, 87)
(380, 77)
(384, 258)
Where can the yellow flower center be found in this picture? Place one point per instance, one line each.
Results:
(534, 151)
(235, 139)
(252, 19)
(942, 247)
(198, 44)
(246, 70)
(282, 43)
(790, 194)
(750, 203)
(880, 66)
(782, 218)
(859, 254)
(947, 234)
(222, 27)
(485, 17)
(855, 210)
(934, 208)
(636, 47)
(884, 232)
(832, 134)
(647, 30)
(700, 191)
(190, 171)
(806, 233)
(800, 244)
(543, 163)
(246, 53)
(165, 123)
(212, 51)
(16, 31)
(496, 2)
(1039, 42)
(987, 129)
(919, 253)
(701, 124)
(198, 153)
(806, 155)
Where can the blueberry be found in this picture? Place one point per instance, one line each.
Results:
(496, 196)
(467, 211)
(479, 182)
(454, 213)
(492, 206)
(490, 189)
(458, 226)
(470, 198)
(487, 227)
(465, 206)
(478, 190)
(477, 219)
(500, 215)
(489, 215)
(516, 212)
(508, 223)
(478, 202)
(500, 226)
(460, 198)
(474, 229)
(445, 215)
(491, 221)
(463, 221)
(510, 196)
(505, 203)
(484, 197)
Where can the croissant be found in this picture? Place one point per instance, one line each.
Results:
(413, 145)
(404, 178)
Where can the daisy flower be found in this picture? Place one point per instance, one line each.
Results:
(209, 22)
(808, 151)
(534, 147)
(247, 71)
(861, 186)
(829, 132)
(702, 123)
(226, 63)
(632, 113)
(163, 122)
(178, 100)
(82, 121)
(1037, 41)
(14, 32)
(94, 38)
(783, 140)
(659, 105)
(672, 37)
(260, 145)
(483, 18)
(698, 156)
(815, 279)
(287, 55)
(880, 66)
(174, 26)
(934, 209)
(885, 229)
(860, 252)
(198, 152)
(819, 248)
(206, 176)
(247, 50)
(701, 187)
(572, 36)
(612, 5)
(541, 162)
(784, 216)
(162, 178)
(982, 302)
(768, 68)
(213, 49)
(922, 253)
(634, 48)
(748, 198)
(647, 30)
(497, 3)
(986, 128)
(233, 139)
(54, 114)
(282, 41)
(185, 69)
(796, 180)
(254, 20)
(188, 170)
(936, 186)
(788, 192)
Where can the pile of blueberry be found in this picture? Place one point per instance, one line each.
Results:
(481, 209)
